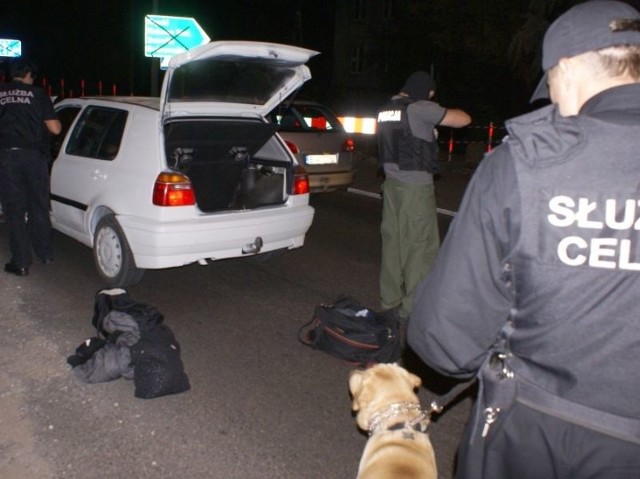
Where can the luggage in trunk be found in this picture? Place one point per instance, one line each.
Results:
(221, 158)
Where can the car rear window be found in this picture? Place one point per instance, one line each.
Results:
(98, 133)
(229, 80)
(307, 118)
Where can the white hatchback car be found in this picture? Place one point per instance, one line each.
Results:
(196, 175)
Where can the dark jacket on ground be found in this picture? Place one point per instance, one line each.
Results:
(133, 343)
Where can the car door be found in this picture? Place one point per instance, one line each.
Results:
(85, 168)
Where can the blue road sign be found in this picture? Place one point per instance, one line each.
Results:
(165, 36)
(10, 48)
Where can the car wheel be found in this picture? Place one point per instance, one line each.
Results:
(113, 256)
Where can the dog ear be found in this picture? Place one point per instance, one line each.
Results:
(355, 385)
(415, 380)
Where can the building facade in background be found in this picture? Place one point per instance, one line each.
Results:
(364, 34)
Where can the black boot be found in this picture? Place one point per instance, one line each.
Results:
(13, 269)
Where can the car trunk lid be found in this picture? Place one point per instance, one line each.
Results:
(233, 77)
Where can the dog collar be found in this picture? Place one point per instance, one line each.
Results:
(418, 423)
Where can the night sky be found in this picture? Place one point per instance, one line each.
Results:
(103, 40)
(467, 41)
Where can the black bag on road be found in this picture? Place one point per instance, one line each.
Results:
(349, 331)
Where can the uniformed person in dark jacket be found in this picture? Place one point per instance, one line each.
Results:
(26, 116)
(536, 288)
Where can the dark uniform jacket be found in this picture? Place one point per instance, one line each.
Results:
(23, 110)
(545, 254)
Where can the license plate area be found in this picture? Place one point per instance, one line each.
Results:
(321, 159)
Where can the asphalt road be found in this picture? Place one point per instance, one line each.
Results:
(261, 404)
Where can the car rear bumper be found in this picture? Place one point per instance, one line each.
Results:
(329, 181)
(177, 243)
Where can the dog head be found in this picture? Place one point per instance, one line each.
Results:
(376, 388)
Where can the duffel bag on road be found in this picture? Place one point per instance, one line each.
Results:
(354, 333)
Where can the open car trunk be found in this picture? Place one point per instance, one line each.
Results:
(232, 163)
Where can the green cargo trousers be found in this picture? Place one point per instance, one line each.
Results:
(410, 241)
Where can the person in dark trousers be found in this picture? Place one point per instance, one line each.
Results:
(535, 289)
(407, 151)
(26, 116)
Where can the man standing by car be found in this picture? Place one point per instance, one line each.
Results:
(25, 112)
(536, 287)
(407, 151)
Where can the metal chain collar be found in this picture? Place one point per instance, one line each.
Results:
(396, 409)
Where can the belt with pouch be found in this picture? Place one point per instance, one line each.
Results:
(502, 387)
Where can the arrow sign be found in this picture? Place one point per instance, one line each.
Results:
(168, 36)
(10, 48)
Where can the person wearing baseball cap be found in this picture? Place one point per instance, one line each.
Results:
(535, 289)
(587, 27)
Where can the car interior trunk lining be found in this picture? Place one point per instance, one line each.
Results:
(219, 158)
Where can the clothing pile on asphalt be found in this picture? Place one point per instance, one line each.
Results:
(132, 342)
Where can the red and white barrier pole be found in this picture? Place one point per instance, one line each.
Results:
(450, 148)
(490, 139)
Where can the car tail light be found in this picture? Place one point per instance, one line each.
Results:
(173, 189)
(349, 145)
(293, 148)
(300, 181)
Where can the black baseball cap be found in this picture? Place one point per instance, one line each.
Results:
(587, 27)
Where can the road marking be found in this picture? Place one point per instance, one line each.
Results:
(378, 196)
(364, 193)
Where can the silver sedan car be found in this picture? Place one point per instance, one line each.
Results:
(319, 142)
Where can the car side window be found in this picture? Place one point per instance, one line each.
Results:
(66, 117)
(98, 133)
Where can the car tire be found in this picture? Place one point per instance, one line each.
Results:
(112, 254)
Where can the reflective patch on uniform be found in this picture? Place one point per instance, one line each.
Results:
(389, 115)
(594, 231)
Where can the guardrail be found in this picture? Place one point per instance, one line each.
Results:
(471, 142)
(62, 89)
(367, 126)
(480, 138)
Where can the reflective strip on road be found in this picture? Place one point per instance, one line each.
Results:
(378, 196)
